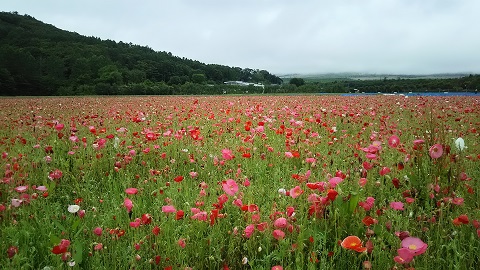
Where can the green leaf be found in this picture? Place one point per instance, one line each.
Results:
(54, 240)
(75, 224)
(78, 252)
(352, 203)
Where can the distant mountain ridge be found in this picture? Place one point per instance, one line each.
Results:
(39, 59)
(372, 76)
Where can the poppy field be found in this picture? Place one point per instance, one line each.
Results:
(240, 182)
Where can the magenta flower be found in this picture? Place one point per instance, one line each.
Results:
(127, 203)
(384, 171)
(436, 151)
(98, 231)
(334, 181)
(280, 223)
(168, 209)
(230, 187)
(397, 206)
(414, 245)
(295, 192)
(182, 243)
(131, 191)
(227, 154)
(278, 234)
(393, 141)
(249, 230)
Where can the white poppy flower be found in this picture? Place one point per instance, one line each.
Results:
(73, 208)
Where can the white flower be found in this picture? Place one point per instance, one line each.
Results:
(460, 144)
(73, 208)
(244, 260)
(282, 191)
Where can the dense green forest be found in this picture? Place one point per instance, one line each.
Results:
(39, 59)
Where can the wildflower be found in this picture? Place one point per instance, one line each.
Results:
(98, 247)
(393, 141)
(16, 202)
(249, 230)
(181, 242)
(277, 267)
(280, 223)
(227, 154)
(230, 187)
(55, 174)
(296, 191)
(62, 247)
(354, 243)
(384, 171)
(97, 231)
(414, 245)
(397, 206)
(127, 203)
(462, 219)
(131, 191)
(334, 181)
(73, 208)
(12, 251)
(362, 182)
(367, 204)
(278, 234)
(436, 151)
(21, 189)
(168, 209)
(460, 144)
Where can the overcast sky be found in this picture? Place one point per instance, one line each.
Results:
(284, 36)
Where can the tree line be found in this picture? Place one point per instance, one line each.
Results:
(40, 59)
(469, 83)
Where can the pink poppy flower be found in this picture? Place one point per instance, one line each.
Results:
(181, 242)
(55, 174)
(230, 187)
(295, 192)
(97, 231)
(418, 142)
(16, 202)
(249, 230)
(288, 155)
(131, 191)
(280, 223)
(21, 189)
(393, 141)
(136, 223)
(362, 182)
(42, 188)
(414, 245)
(127, 203)
(227, 154)
(277, 267)
(168, 209)
(384, 171)
(278, 234)
(334, 181)
(436, 151)
(397, 206)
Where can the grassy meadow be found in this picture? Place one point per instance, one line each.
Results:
(240, 182)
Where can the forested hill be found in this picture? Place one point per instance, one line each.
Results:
(39, 59)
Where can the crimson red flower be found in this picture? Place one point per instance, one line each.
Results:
(62, 247)
(178, 179)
